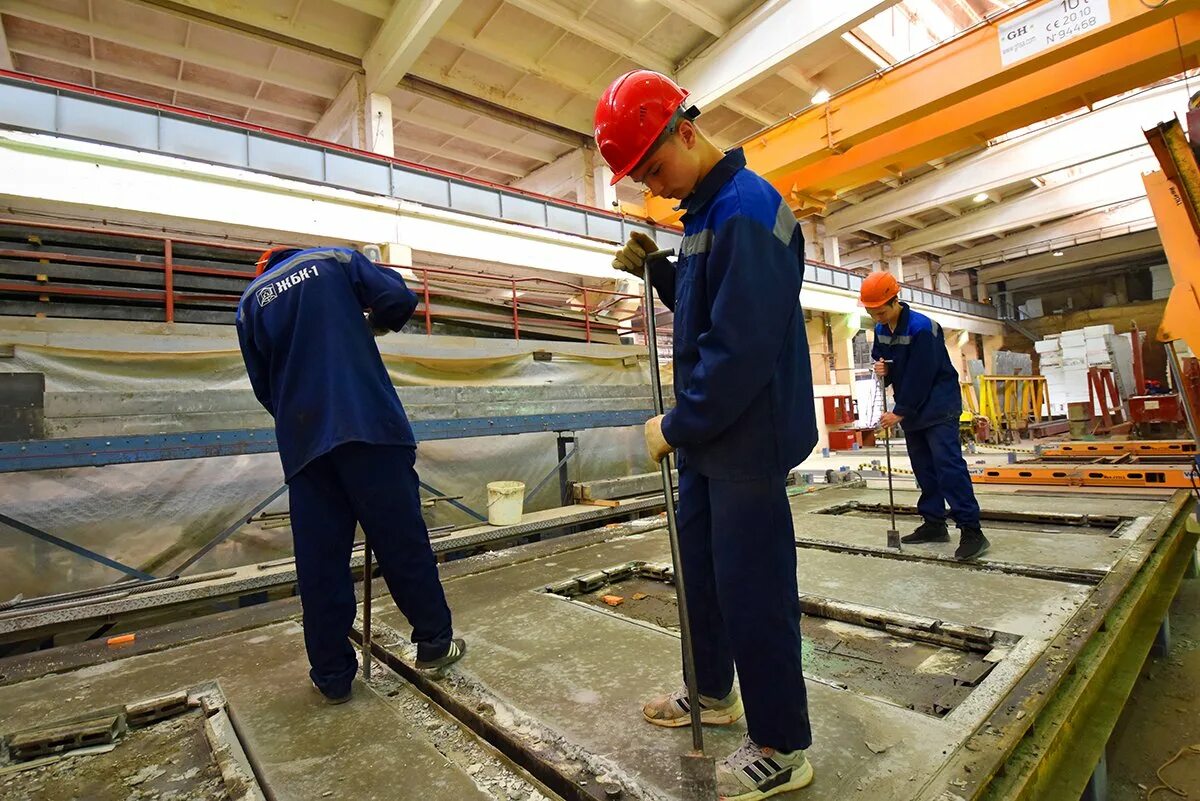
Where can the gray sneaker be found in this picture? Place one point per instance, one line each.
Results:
(672, 710)
(752, 772)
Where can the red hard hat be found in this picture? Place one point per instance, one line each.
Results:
(878, 289)
(264, 260)
(632, 113)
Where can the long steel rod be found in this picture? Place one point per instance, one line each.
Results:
(366, 639)
(893, 534)
(685, 628)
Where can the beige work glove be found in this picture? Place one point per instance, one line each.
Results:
(632, 258)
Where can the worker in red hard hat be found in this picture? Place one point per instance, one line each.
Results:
(910, 355)
(743, 418)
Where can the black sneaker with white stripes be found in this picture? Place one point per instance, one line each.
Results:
(753, 772)
(455, 652)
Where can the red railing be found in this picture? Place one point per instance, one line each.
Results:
(542, 306)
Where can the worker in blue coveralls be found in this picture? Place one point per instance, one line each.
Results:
(347, 448)
(743, 418)
(910, 355)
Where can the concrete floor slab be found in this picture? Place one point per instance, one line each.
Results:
(364, 749)
(1025, 547)
(1090, 503)
(584, 673)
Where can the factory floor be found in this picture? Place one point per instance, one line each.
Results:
(564, 675)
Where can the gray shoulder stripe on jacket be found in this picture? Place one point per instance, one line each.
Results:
(697, 243)
(785, 223)
(887, 339)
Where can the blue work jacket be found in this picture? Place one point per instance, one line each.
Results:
(311, 355)
(743, 383)
(923, 380)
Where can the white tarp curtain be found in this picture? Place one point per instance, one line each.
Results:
(152, 516)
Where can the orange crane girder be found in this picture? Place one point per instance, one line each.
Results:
(960, 95)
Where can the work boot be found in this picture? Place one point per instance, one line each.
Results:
(971, 543)
(333, 700)
(455, 652)
(673, 711)
(753, 772)
(929, 531)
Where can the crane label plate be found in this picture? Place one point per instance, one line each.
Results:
(1048, 26)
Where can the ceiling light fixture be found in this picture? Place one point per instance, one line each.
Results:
(822, 96)
(982, 197)
(1057, 253)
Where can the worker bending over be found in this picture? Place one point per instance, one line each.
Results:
(346, 445)
(910, 355)
(743, 418)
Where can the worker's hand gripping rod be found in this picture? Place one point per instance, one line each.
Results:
(699, 771)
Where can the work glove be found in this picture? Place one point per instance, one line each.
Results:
(656, 442)
(632, 258)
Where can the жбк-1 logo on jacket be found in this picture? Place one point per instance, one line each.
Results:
(271, 291)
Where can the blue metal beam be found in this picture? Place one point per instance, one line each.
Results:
(79, 550)
(234, 526)
(96, 451)
(457, 504)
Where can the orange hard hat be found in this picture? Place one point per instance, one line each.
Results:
(264, 261)
(634, 111)
(878, 289)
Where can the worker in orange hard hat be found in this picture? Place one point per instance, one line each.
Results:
(911, 357)
(743, 418)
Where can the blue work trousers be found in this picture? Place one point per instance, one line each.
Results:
(937, 461)
(739, 564)
(375, 486)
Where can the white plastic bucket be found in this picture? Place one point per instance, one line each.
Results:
(506, 502)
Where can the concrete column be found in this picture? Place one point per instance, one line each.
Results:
(833, 254)
(596, 182)
(895, 266)
(927, 281)
(811, 243)
(943, 283)
(376, 128)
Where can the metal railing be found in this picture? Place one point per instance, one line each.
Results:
(46, 106)
(545, 308)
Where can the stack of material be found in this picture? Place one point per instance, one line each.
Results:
(1011, 363)
(1051, 365)
(1066, 358)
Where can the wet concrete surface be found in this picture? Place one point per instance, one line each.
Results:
(171, 760)
(870, 662)
(584, 672)
(380, 745)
